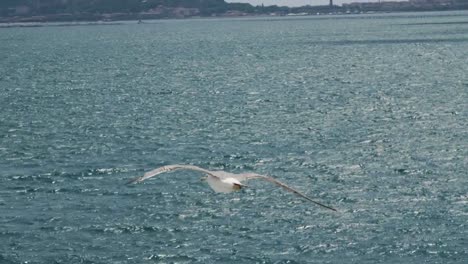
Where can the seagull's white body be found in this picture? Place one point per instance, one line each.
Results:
(226, 185)
(223, 182)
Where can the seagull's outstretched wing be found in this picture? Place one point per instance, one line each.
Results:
(248, 176)
(168, 168)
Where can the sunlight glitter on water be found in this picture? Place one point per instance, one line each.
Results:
(363, 113)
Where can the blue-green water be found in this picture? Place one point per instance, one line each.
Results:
(364, 113)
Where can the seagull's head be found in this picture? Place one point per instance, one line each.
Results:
(236, 185)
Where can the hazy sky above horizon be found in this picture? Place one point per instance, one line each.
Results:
(298, 2)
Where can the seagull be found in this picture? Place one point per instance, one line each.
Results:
(222, 181)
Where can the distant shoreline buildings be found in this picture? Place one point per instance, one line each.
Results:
(411, 5)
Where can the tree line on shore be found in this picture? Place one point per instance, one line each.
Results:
(43, 7)
(94, 9)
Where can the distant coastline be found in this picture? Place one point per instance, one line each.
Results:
(27, 15)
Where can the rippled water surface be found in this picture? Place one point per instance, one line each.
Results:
(364, 113)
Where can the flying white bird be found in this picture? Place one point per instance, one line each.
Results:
(224, 182)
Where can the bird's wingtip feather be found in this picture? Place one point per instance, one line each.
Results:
(134, 180)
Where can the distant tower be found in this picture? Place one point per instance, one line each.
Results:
(331, 3)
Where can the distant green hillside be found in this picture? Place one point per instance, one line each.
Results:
(84, 10)
(205, 7)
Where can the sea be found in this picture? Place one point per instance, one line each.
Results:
(365, 113)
